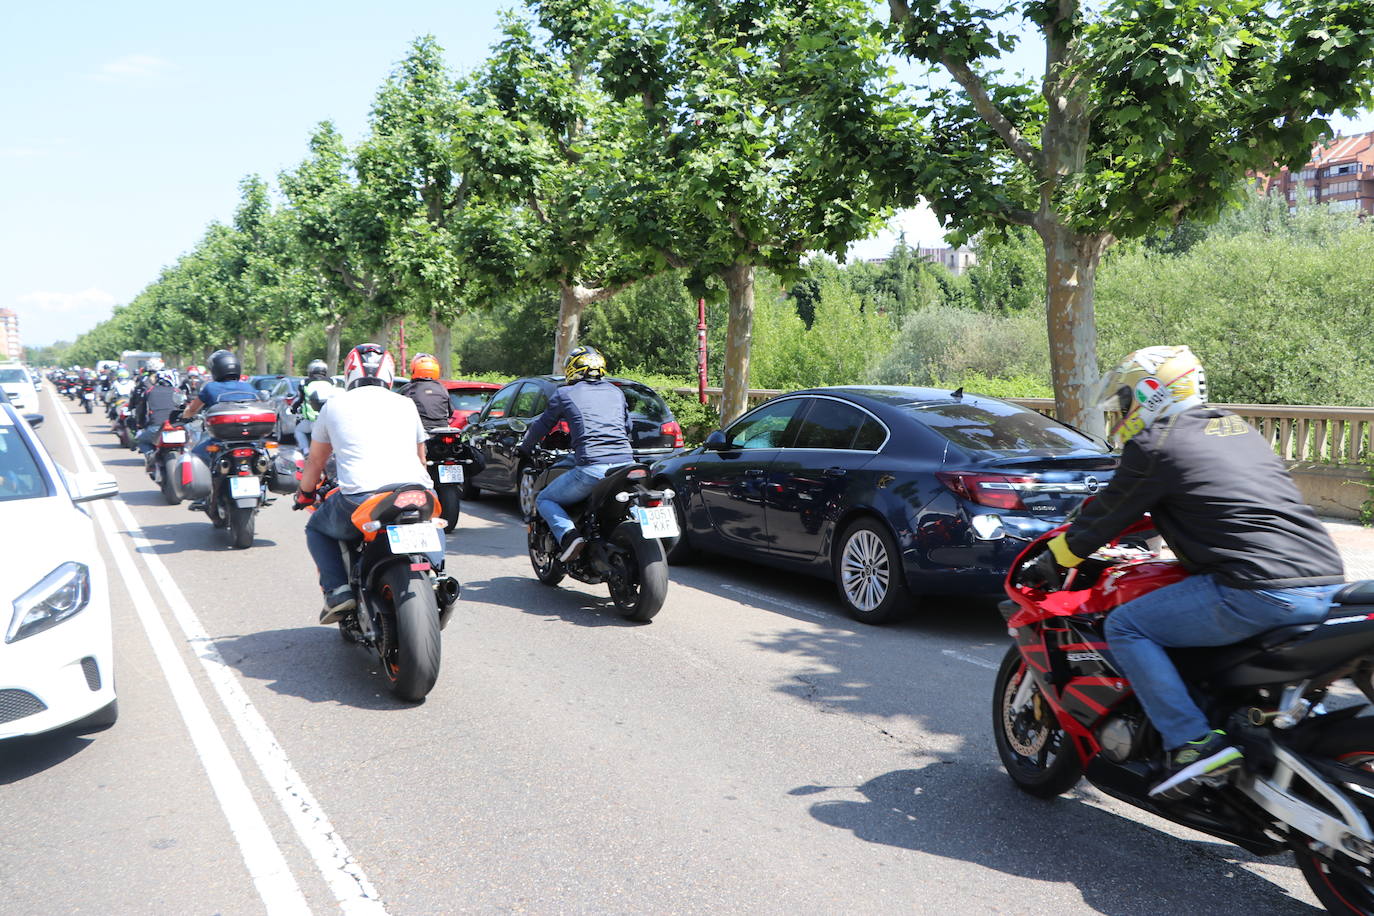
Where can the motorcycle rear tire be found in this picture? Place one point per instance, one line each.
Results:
(124, 438)
(450, 498)
(416, 666)
(638, 592)
(90, 406)
(1038, 776)
(168, 482)
(1339, 884)
(241, 524)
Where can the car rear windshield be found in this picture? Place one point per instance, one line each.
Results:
(996, 427)
(20, 477)
(643, 402)
(13, 375)
(468, 400)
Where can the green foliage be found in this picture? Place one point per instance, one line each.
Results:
(1009, 275)
(945, 344)
(837, 349)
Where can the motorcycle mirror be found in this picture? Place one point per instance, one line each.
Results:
(988, 527)
(519, 426)
(716, 441)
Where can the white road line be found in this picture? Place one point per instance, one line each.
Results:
(266, 865)
(336, 864)
(760, 596)
(971, 659)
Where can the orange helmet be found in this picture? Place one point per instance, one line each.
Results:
(424, 366)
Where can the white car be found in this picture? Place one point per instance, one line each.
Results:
(56, 656)
(14, 378)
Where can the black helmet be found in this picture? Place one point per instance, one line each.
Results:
(224, 366)
(318, 368)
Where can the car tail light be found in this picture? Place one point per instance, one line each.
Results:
(996, 490)
(672, 429)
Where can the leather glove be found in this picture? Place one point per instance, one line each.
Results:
(1042, 573)
(303, 499)
(523, 451)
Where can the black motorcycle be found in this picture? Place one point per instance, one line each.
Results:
(451, 462)
(621, 520)
(240, 466)
(164, 462)
(88, 395)
(403, 601)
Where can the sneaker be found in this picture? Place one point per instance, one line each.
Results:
(196, 505)
(570, 547)
(1206, 760)
(337, 603)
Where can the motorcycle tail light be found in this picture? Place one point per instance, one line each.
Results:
(651, 503)
(671, 428)
(998, 491)
(411, 498)
(242, 453)
(447, 440)
(638, 474)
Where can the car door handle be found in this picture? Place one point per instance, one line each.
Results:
(834, 472)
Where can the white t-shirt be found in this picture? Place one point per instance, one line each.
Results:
(374, 432)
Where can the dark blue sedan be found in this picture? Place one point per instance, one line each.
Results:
(843, 482)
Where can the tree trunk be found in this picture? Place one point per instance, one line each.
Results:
(333, 337)
(241, 349)
(387, 332)
(289, 356)
(571, 302)
(443, 345)
(260, 355)
(739, 334)
(1070, 278)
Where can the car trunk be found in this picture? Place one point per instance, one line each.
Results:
(1048, 485)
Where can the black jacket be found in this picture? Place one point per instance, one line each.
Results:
(1221, 498)
(431, 400)
(157, 405)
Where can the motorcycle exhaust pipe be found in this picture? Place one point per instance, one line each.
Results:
(446, 592)
(1259, 717)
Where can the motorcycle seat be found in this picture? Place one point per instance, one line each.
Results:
(1361, 592)
(1283, 652)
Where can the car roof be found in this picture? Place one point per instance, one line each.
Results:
(451, 384)
(559, 380)
(895, 396)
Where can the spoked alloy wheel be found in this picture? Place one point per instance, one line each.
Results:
(868, 573)
(544, 554)
(1342, 883)
(526, 492)
(1038, 755)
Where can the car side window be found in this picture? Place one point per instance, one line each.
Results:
(530, 403)
(771, 426)
(500, 404)
(871, 436)
(829, 425)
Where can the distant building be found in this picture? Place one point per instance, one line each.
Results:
(10, 345)
(957, 260)
(1340, 174)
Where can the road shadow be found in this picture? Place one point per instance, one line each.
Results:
(130, 462)
(21, 758)
(528, 596)
(146, 498)
(928, 810)
(181, 537)
(312, 663)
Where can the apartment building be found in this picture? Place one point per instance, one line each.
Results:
(1340, 174)
(10, 345)
(957, 260)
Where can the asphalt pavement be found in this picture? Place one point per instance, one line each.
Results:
(751, 750)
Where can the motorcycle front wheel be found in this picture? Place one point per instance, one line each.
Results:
(544, 554)
(1038, 755)
(638, 575)
(1342, 883)
(412, 662)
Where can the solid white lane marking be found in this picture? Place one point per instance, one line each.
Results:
(971, 659)
(760, 596)
(350, 886)
(266, 865)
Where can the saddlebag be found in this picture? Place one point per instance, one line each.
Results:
(192, 477)
(285, 475)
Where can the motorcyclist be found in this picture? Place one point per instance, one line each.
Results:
(599, 424)
(122, 387)
(431, 398)
(1225, 504)
(377, 440)
(191, 381)
(226, 386)
(154, 409)
(314, 391)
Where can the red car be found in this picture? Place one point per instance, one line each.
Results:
(467, 398)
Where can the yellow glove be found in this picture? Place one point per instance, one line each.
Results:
(1059, 546)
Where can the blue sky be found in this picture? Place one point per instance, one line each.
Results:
(125, 127)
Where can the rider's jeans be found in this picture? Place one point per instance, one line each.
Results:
(147, 438)
(332, 524)
(1199, 611)
(566, 490)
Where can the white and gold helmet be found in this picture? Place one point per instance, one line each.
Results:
(1152, 383)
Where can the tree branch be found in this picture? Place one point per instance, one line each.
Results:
(897, 10)
(990, 113)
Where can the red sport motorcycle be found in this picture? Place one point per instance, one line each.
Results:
(1062, 711)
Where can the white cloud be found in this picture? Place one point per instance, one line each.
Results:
(46, 315)
(20, 152)
(134, 66)
(920, 225)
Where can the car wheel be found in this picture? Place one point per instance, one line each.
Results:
(525, 490)
(868, 573)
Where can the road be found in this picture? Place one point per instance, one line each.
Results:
(751, 750)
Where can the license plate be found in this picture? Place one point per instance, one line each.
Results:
(423, 538)
(450, 473)
(174, 437)
(244, 487)
(89, 395)
(656, 521)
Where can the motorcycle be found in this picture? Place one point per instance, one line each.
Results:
(120, 426)
(1062, 711)
(450, 462)
(403, 601)
(621, 520)
(162, 466)
(88, 395)
(240, 465)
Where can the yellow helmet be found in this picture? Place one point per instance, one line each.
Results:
(584, 362)
(1152, 383)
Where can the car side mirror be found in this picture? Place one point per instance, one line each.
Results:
(90, 485)
(34, 420)
(518, 425)
(263, 395)
(716, 441)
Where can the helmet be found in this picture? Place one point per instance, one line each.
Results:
(1152, 383)
(156, 364)
(167, 377)
(122, 374)
(424, 366)
(318, 368)
(194, 371)
(224, 366)
(584, 362)
(369, 364)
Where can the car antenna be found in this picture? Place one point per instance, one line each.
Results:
(957, 393)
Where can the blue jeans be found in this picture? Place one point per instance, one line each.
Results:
(147, 437)
(571, 488)
(1199, 611)
(330, 526)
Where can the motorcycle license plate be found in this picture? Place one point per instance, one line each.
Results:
(656, 521)
(244, 487)
(174, 437)
(450, 473)
(414, 538)
(89, 395)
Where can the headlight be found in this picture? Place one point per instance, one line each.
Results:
(61, 593)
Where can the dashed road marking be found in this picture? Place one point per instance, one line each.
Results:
(971, 659)
(760, 596)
